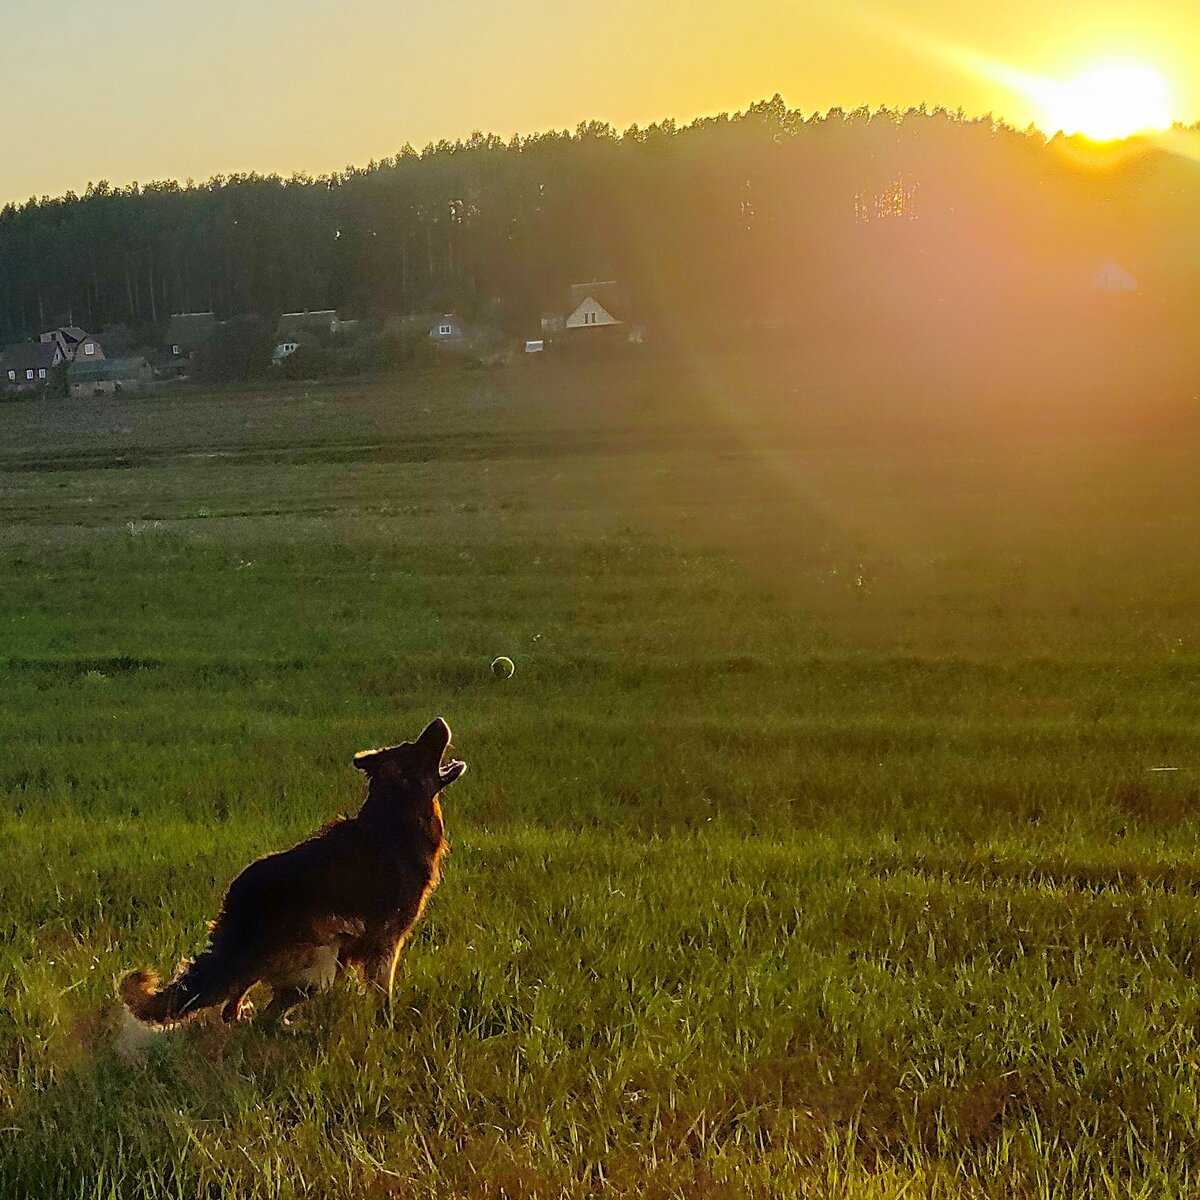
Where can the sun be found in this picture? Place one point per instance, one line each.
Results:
(1108, 102)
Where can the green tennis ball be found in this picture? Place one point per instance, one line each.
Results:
(503, 668)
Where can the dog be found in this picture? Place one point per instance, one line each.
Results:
(346, 898)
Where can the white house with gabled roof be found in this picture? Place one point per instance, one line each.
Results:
(593, 305)
(1112, 277)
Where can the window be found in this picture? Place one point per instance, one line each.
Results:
(41, 372)
(12, 377)
(29, 374)
(445, 330)
(177, 350)
(89, 347)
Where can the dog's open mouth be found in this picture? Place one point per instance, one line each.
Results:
(448, 772)
(435, 742)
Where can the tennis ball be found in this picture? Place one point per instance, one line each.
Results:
(503, 668)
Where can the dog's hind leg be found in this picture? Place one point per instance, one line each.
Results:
(284, 1002)
(235, 1008)
(379, 969)
(388, 971)
(304, 972)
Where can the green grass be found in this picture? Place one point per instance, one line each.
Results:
(815, 848)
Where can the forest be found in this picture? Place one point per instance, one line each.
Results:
(765, 218)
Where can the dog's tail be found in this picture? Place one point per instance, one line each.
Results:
(199, 983)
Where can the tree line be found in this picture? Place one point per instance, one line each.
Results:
(732, 221)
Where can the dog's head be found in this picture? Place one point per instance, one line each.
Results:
(414, 767)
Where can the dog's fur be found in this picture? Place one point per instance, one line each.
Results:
(347, 897)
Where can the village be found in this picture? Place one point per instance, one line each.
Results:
(70, 361)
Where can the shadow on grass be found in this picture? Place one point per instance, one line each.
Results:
(121, 1118)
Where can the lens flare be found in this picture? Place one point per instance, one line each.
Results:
(1116, 98)
(1109, 102)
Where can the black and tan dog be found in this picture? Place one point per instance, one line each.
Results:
(347, 897)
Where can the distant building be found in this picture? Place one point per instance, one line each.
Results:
(450, 331)
(1112, 277)
(284, 350)
(28, 364)
(598, 315)
(476, 339)
(74, 342)
(325, 320)
(188, 332)
(108, 376)
(594, 305)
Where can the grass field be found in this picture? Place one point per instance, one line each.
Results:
(817, 847)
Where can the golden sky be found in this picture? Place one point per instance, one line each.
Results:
(153, 89)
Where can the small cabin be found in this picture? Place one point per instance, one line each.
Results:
(107, 377)
(28, 364)
(1112, 277)
(450, 331)
(594, 305)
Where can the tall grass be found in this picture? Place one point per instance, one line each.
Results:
(818, 847)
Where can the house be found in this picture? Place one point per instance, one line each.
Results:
(28, 364)
(187, 332)
(1112, 277)
(594, 304)
(74, 342)
(450, 331)
(598, 313)
(325, 320)
(107, 376)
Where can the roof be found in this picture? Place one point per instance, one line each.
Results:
(413, 322)
(189, 331)
(605, 306)
(29, 356)
(107, 369)
(1112, 277)
(325, 318)
(606, 292)
(69, 333)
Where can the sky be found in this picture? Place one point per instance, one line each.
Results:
(125, 90)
